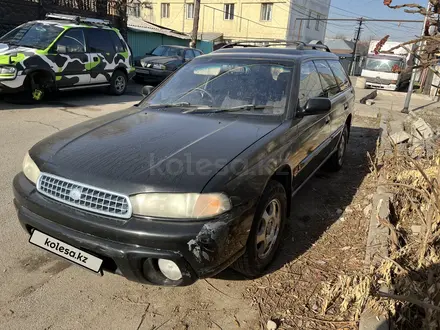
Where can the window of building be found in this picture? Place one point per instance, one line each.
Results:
(229, 11)
(308, 21)
(189, 12)
(165, 10)
(134, 9)
(266, 11)
(317, 22)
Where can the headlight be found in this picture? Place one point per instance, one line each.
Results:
(159, 66)
(180, 206)
(30, 169)
(143, 63)
(7, 71)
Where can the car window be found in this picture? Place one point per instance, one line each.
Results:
(117, 42)
(167, 51)
(310, 84)
(340, 74)
(328, 80)
(189, 55)
(73, 40)
(197, 52)
(99, 41)
(33, 35)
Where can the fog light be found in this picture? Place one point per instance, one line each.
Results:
(170, 269)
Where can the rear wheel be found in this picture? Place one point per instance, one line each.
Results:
(265, 235)
(118, 83)
(336, 161)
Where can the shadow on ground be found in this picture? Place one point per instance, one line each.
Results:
(319, 203)
(73, 99)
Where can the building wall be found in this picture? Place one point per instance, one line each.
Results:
(247, 23)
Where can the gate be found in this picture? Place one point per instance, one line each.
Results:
(16, 12)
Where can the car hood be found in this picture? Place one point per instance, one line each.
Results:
(13, 54)
(145, 151)
(160, 59)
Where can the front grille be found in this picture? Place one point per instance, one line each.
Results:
(84, 197)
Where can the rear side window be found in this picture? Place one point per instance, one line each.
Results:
(340, 74)
(99, 41)
(197, 52)
(189, 55)
(117, 42)
(310, 84)
(328, 80)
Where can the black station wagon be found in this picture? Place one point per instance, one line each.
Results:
(199, 175)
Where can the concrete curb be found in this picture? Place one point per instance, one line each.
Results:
(378, 236)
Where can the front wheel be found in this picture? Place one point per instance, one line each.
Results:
(118, 83)
(265, 235)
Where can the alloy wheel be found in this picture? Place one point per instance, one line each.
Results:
(268, 228)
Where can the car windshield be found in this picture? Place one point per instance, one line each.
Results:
(33, 35)
(246, 86)
(383, 65)
(166, 51)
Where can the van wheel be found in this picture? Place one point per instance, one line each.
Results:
(335, 162)
(118, 83)
(265, 235)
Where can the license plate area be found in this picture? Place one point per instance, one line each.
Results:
(66, 251)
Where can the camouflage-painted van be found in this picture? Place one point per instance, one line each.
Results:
(63, 53)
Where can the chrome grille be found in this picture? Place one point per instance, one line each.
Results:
(84, 197)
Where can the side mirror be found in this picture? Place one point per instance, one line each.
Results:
(61, 49)
(147, 90)
(317, 106)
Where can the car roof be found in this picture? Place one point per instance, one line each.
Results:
(68, 24)
(287, 53)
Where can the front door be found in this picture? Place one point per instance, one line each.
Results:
(71, 62)
(102, 54)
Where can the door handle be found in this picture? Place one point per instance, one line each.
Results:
(345, 106)
(95, 59)
(327, 120)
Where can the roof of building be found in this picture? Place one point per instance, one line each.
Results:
(139, 25)
(340, 45)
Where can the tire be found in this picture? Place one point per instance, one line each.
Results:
(259, 254)
(336, 161)
(33, 93)
(118, 83)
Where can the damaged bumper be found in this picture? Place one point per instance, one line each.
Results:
(132, 247)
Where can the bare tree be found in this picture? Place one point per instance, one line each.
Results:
(425, 47)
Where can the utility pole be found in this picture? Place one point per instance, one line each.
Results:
(413, 74)
(195, 23)
(358, 35)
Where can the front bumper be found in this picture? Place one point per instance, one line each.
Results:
(12, 86)
(149, 74)
(131, 248)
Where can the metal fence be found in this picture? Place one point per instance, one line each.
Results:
(16, 12)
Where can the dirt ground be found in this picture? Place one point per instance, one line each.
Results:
(324, 238)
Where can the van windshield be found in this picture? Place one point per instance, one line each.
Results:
(227, 85)
(384, 65)
(32, 35)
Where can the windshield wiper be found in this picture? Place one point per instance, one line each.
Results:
(171, 105)
(247, 107)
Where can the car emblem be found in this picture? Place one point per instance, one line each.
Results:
(75, 194)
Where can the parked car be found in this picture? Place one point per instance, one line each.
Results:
(163, 61)
(198, 176)
(62, 53)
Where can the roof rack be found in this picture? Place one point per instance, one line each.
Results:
(78, 19)
(300, 45)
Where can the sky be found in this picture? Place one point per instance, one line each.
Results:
(373, 9)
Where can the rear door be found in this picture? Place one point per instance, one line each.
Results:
(101, 52)
(333, 92)
(312, 130)
(71, 59)
(347, 91)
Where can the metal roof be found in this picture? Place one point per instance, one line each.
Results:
(139, 25)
